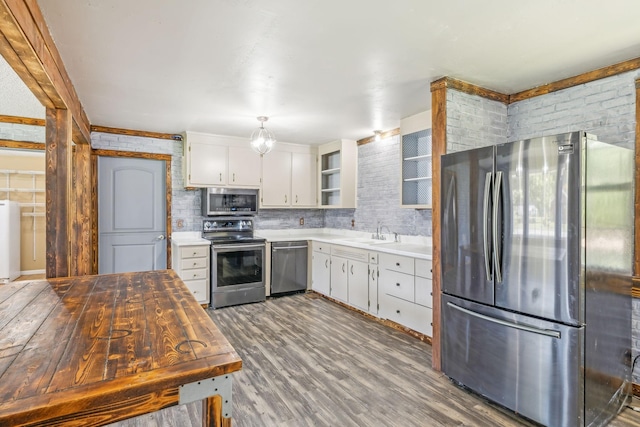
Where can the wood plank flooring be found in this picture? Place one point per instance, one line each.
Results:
(310, 362)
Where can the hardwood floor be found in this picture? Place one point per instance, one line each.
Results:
(310, 362)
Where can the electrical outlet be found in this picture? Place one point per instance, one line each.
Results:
(179, 223)
(301, 221)
(353, 223)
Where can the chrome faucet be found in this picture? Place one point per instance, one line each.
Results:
(379, 235)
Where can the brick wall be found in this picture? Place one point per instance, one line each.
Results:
(605, 108)
(473, 121)
(18, 132)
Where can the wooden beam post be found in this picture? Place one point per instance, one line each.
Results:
(636, 263)
(439, 147)
(80, 208)
(57, 155)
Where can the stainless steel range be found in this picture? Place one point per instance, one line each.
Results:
(237, 261)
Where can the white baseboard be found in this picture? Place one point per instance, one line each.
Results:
(30, 272)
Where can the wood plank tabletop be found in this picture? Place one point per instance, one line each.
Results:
(93, 350)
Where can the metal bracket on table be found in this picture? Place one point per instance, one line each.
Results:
(203, 389)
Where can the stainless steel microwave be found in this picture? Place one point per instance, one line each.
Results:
(229, 201)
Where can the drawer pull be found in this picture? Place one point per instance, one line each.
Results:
(195, 275)
(195, 253)
(397, 284)
(195, 263)
(397, 311)
(397, 264)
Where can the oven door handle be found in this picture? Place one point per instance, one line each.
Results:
(259, 246)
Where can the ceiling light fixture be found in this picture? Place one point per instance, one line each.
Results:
(261, 139)
(377, 135)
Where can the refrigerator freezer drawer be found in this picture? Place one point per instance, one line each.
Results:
(531, 366)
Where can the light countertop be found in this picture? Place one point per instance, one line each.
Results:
(413, 246)
(188, 238)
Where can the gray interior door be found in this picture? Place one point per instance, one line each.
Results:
(131, 215)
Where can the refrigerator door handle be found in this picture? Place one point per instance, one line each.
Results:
(485, 231)
(497, 192)
(526, 328)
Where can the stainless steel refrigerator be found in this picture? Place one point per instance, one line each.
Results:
(537, 252)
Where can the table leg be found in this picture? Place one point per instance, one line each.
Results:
(212, 413)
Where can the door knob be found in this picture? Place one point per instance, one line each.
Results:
(161, 237)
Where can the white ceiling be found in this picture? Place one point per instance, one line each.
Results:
(321, 70)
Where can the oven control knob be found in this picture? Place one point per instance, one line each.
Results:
(207, 224)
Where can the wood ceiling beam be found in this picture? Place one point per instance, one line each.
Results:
(131, 132)
(383, 135)
(22, 120)
(27, 45)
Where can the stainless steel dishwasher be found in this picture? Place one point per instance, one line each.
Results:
(288, 267)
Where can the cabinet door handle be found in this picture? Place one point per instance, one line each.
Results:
(234, 177)
(326, 263)
(352, 269)
(285, 198)
(220, 176)
(296, 198)
(373, 275)
(343, 267)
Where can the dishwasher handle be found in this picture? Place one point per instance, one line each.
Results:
(284, 248)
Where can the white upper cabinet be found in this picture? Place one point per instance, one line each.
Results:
(337, 177)
(244, 167)
(219, 161)
(303, 180)
(289, 177)
(276, 179)
(415, 157)
(206, 162)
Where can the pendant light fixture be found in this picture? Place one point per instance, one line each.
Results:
(261, 139)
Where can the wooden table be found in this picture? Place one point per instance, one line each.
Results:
(93, 350)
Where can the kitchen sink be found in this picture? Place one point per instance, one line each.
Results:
(368, 241)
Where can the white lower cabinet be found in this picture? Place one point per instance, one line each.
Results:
(191, 263)
(393, 287)
(349, 266)
(374, 275)
(321, 268)
(405, 297)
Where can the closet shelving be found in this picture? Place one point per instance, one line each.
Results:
(37, 209)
